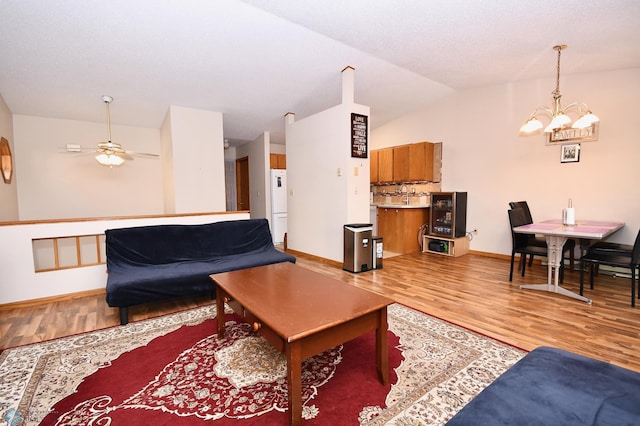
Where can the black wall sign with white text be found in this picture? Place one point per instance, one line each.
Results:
(359, 135)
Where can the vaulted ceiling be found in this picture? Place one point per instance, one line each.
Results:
(255, 60)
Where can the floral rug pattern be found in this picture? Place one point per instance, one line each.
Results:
(443, 368)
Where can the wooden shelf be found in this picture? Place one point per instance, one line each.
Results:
(454, 247)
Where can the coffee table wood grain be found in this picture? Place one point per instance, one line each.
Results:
(302, 313)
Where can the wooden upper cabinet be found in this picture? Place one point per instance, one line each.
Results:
(385, 165)
(278, 161)
(425, 161)
(373, 167)
(401, 163)
(417, 162)
(418, 169)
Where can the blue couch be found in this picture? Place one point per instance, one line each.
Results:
(150, 263)
(550, 386)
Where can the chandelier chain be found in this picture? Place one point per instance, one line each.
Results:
(558, 48)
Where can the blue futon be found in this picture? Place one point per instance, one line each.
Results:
(550, 386)
(149, 263)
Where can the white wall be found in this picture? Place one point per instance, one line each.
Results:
(54, 184)
(321, 199)
(196, 160)
(166, 161)
(484, 155)
(258, 153)
(8, 192)
(276, 148)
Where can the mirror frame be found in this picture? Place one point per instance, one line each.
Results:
(6, 160)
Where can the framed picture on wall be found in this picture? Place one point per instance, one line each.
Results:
(570, 153)
(359, 135)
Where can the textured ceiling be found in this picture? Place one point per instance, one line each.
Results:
(256, 60)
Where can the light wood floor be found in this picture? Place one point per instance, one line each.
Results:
(472, 291)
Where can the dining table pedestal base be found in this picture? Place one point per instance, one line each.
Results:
(555, 244)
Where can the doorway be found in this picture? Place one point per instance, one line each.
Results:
(242, 183)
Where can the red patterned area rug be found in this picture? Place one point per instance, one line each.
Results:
(173, 370)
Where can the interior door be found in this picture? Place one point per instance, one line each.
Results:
(242, 183)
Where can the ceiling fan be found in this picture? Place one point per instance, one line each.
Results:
(110, 153)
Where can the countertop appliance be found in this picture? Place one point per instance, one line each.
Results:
(278, 205)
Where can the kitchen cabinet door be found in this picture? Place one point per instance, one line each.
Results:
(412, 220)
(399, 228)
(278, 161)
(401, 163)
(425, 161)
(373, 167)
(387, 229)
(385, 165)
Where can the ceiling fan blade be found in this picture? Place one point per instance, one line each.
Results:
(85, 153)
(142, 154)
(74, 148)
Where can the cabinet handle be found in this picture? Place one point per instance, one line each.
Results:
(257, 326)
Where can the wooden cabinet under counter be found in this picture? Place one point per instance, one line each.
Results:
(399, 227)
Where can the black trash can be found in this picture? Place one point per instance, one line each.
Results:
(357, 247)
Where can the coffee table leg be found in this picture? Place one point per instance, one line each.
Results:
(220, 296)
(294, 382)
(382, 350)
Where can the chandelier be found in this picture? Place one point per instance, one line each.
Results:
(559, 117)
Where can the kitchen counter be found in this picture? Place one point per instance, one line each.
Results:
(400, 206)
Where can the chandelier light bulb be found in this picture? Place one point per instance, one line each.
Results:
(531, 126)
(557, 122)
(586, 120)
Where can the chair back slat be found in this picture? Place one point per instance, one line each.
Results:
(517, 217)
(525, 208)
(635, 253)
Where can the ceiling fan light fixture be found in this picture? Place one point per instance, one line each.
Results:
(109, 160)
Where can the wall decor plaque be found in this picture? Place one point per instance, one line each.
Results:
(359, 135)
(563, 136)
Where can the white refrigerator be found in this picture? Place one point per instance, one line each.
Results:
(278, 205)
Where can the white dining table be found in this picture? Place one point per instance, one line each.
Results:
(556, 234)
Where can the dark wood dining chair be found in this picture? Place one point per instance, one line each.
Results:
(539, 241)
(520, 243)
(596, 257)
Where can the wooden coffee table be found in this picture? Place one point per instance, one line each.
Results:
(302, 313)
